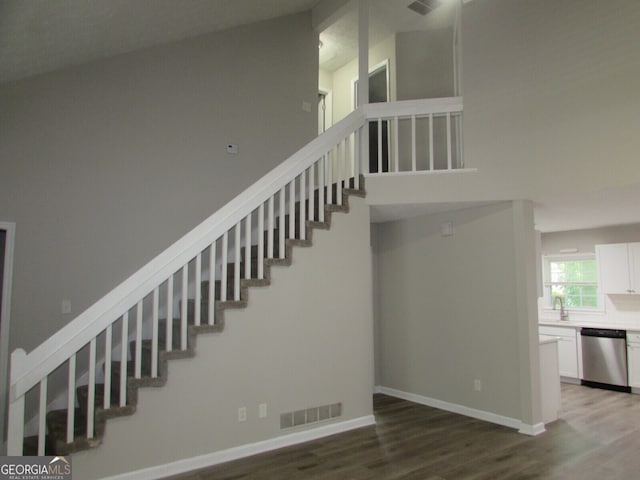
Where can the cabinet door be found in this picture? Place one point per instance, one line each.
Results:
(613, 265)
(633, 362)
(634, 267)
(568, 357)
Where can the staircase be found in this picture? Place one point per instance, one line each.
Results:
(125, 340)
(169, 332)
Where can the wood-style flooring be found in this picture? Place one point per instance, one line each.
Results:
(597, 437)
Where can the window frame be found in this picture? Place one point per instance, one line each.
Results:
(546, 281)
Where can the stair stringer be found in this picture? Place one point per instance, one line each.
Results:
(342, 254)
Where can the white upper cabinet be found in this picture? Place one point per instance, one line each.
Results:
(619, 268)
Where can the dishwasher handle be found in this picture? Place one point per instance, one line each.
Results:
(603, 332)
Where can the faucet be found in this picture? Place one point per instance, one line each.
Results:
(564, 315)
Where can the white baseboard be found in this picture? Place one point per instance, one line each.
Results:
(235, 453)
(463, 410)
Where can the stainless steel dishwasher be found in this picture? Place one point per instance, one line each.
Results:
(604, 358)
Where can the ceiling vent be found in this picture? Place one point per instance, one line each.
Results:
(423, 7)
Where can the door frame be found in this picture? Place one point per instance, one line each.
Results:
(5, 323)
(328, 112)
(375, 69)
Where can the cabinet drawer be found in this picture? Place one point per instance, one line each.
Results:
(633, 337)
(558, 331)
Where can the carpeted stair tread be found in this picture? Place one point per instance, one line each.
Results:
(57, 419)
(57, 423)
(30, 446)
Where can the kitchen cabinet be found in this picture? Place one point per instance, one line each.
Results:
(619, 268)
(567, 348)
(633, 358)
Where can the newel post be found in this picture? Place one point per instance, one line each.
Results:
(15, 430)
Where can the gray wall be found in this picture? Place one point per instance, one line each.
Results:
(586, 240)
(551, 104)
(425, 70)
(425, 64)
(105, 165)
(299, 344)
(453, 309)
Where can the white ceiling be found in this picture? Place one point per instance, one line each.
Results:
(600, 208)
(340, 40)
(38, 36)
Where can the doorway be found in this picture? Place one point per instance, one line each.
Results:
(325, 110)
(378, 93)
(6, 268)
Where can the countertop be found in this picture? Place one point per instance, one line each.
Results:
(585, 324)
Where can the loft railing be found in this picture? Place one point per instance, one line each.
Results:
(84, 351)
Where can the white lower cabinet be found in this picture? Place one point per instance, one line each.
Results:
(567, 348)
(633, 358)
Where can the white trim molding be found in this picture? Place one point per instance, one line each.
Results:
(5, 322)
(464, 410)
(242, 451)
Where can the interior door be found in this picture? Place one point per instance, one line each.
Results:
(378, 93)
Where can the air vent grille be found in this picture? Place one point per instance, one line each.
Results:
(310, 415)
(423, 7)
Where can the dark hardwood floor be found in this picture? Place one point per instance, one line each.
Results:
(597, 437)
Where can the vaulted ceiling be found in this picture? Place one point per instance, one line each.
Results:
(38, 36)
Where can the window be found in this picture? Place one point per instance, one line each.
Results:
(574, 279)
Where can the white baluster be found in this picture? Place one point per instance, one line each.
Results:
(396, 143)
(15, 427)
(270, 225)
(261, 241)
(184, 307)
(197, 309)
(107, 366)
(321, 167)
(139, 340)
(379, 145)
(292, 209)
(91, 396)
(431, 149)
(236, 260)
(449, 141)
(71, 399)
(330, 177)
(413, 143)
(312, 192)
(223, 275)
(357, 152)
(154, 332)
(460, 142)
(42, 417)
(212, 281)
(347, 162)
(247, 247)
(169, 326)
(339, 162)
(281, 222)
(124, 343)
(303, 206)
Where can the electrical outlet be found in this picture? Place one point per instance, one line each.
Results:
(242, 414)
(477, 385)
(262, 410)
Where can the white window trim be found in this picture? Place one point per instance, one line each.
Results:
(546, 302)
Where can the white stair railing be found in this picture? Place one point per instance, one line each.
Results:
(416, 136)
(93, 343)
